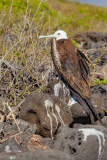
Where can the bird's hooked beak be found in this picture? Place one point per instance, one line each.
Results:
(50, 36)
(60, 34)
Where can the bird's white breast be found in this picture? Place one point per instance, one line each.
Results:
(55, 55)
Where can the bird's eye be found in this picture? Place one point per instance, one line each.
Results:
(58, 33)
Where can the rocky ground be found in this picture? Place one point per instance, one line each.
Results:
(51, 124)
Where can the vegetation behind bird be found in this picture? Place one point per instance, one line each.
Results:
(25, 62)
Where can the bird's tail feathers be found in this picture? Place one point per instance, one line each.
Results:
(87, 105)
(87, 108)
(92, 108)
(84, 104)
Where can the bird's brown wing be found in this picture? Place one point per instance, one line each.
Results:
(83, 64)
(74, 68)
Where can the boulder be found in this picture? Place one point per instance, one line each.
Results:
(47, 112)
(85, 142)
(17, 125)
(102, 91)
(104, 121)
(98, 103)
(89, 40)
(48, 154)
(58, 88)
(21, 142)
(80, 115)
(103, 72)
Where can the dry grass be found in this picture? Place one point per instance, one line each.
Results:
(25, 61)
(80, 17)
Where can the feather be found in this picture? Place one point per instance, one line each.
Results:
(72, 66)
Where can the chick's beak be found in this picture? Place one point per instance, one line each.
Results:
(50, 36)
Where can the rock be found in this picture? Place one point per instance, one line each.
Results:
(100, 45)
(3, 109)
(89, 40)
(2, 117)
(48, 154)
(10, 146)
(104, 121)
(21, 142)
(22, 126)
(77, 125)
(99, 89)
(79, 114)
(103, 72)
(102, 91)
(98, 103)
(99, 57)
(47, 112)
(58, 88)
(31, 141)
(86, 142)
(3, 105)
(49, 142)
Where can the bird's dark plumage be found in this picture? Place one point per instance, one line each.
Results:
(72, 65)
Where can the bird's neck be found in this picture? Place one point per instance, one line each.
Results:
(55, 54)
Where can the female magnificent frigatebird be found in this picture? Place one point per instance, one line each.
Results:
(72, 66)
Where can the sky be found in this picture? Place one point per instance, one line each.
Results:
(95, 2)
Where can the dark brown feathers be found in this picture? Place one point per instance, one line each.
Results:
(72, 66)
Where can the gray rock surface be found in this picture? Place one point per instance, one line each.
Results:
(39, 155)
(22, 125)
(98, 103)
(58, 88)
(89, 40)
(86, 142)
(104, 121)
(47, 112)
(102, 91)
(103, 72)
(21, 142)
(80, 115)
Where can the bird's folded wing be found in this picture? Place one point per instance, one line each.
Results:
(74, 69)
(83, 64)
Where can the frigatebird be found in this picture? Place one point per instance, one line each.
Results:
(72, 66)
